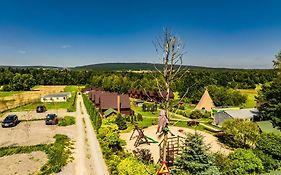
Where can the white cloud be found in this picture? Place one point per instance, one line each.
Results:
(65, 46)
(22, 52)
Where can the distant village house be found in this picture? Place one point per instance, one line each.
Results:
(58, 97)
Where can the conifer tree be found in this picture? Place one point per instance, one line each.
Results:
(121, 122)
(195, 158)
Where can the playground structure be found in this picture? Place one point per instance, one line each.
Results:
(141, 138)
(174, 148)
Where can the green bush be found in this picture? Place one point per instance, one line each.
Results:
(121, 122)
(115, 156)
(196, 114)
(240, 134)
(132, 166)
(245, 162)
(270, 144)
(93, 113)
(58, 153)
(72, 101)
(139, 117)
(267, 161)
(66, 121)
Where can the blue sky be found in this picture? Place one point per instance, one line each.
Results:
(217, 33)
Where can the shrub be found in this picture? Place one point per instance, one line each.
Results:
(240, 134)
(196, 114)
(267, 160)
(121, 122)
(131, 165)
(143, 155)
(66, 121)
(72, 101)
(245, 162)
(93, 113)
(139, 117)
(270, 144)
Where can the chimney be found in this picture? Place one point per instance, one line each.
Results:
(118, 103)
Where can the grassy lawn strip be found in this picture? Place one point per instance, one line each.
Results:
(58, 153)
(66, 121)
(70, 104)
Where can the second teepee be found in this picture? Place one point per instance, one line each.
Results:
(205, 102)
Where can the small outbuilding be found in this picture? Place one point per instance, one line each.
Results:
(243, 114)
(58, 97)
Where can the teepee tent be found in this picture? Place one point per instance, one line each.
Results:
(205, 102)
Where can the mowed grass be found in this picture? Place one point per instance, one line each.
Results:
(53, 105)
(251, 96)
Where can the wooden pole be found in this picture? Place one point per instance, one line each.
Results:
(118, 103)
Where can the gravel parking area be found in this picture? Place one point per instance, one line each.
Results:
(31, 115)
(23, 164)
(32, 133)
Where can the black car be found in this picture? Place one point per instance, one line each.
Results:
(10, 120)
(41, 109)
(51, 119)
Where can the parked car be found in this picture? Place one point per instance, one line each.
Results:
(41, 109)
(10, 120)
(51, 119)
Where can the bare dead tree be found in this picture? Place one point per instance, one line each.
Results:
(170, 51)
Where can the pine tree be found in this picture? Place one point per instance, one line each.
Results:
(121, 122)
(195, 158)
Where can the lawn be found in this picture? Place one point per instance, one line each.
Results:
(251, 94)
(69, 105)
(138, 110)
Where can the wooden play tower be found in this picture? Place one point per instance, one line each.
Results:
(174, 148)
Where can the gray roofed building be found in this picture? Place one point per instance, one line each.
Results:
(243, 114)
(58, 97)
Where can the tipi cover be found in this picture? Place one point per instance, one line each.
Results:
(205, 102)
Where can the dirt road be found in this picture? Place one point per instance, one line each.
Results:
(89, 160)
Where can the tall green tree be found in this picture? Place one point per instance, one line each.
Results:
(270, 97)
(195, 158)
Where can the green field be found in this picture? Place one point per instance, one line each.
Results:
(69, 105)
(251, 94)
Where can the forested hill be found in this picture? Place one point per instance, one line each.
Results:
(34, 67)
(127, 66)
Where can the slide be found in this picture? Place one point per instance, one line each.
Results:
(151, 139)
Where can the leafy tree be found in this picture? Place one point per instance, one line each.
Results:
(270, 100)
(270, 144)
(240, 133)
(223, 163)
(245, 162)
(225, 96)
(267, 161)
(196, 114)
(121, 122)
(277, 62)
(195, 158)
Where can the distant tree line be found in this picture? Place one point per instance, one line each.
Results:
(195, 80)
